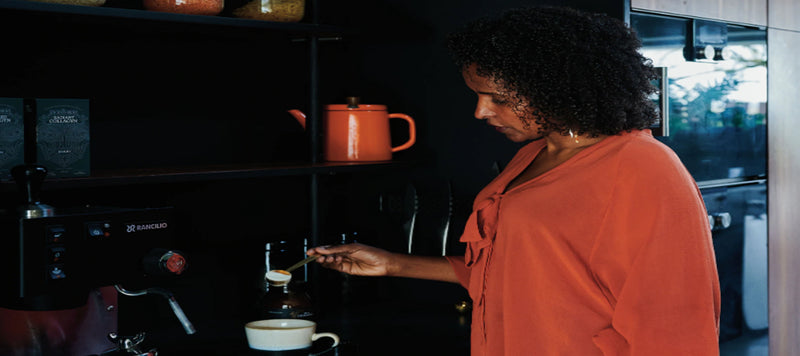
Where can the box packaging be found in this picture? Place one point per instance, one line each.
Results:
(62, 137)
(12, 135)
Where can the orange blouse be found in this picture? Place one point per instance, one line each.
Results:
(608, 253)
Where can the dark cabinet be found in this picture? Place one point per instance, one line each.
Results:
(171, 95)
(174, 98)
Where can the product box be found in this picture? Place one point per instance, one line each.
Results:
(62, 137)
(12, 135)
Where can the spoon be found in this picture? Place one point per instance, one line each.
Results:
(283, 276)
(302, 263)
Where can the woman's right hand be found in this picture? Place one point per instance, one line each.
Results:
(355, 258)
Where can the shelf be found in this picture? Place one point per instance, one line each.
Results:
(206, 173)
(136, 14)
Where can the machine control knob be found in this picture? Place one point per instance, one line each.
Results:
(719, 221)
(174, 262)
(164, 262)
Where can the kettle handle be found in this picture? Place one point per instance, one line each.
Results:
(299, 116)
(412, 132)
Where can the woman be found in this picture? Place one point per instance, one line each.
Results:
(594, 240)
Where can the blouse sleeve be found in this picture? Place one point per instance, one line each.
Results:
(654, 261)
(460, 267)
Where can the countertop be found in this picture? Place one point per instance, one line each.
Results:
(391, 327)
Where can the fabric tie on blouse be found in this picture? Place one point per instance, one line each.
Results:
(480, 228)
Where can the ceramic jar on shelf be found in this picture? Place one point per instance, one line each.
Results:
(189, 7)
(272, 10)
(75, 2)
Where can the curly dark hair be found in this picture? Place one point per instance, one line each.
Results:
(577, 71)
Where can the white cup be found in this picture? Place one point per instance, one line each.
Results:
(284, 334)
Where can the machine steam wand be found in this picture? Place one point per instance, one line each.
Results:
(173, 303)
(158, 261)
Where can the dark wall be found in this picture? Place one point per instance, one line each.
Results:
(163, 94)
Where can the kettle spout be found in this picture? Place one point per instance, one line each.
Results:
(299, 116)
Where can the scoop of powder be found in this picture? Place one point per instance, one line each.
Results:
(278, 276)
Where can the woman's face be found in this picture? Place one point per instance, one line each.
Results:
(495, 107)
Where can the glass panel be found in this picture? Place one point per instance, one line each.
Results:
(717, 107)
(740, 244)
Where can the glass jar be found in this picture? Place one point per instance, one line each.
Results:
(189, 7)
(284, 300)
(75, 2)
(272, 10)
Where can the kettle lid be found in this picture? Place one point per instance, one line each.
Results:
(353, 104)
(344, 107)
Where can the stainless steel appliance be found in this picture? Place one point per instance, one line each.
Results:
(713, 100)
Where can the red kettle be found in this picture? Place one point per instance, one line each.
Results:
(359, 132)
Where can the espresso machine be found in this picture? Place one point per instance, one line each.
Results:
(63, 270)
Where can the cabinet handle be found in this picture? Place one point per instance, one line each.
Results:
(663, 103)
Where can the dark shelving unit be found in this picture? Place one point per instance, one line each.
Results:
(108, 12)
(308, 33)
(111, 178)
